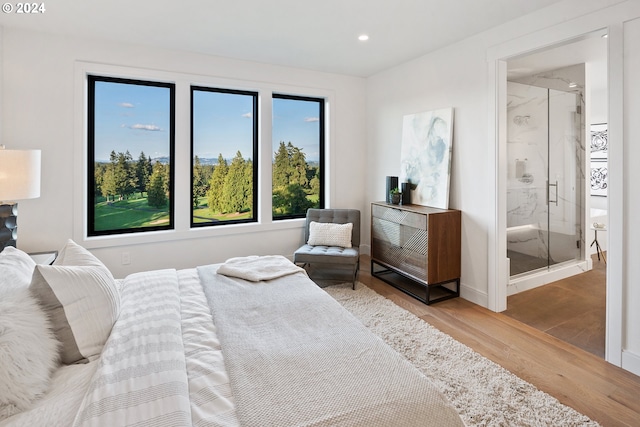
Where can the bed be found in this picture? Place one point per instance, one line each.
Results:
(251, 342)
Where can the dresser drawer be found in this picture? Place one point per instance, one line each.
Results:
(399, 216)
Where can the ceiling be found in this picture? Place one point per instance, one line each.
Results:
(320, 35)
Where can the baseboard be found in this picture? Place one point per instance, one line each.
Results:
(474, 295)
(631, 362)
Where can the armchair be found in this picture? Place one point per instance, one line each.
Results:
(322, 245)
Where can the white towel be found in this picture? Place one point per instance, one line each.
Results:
(258, 268)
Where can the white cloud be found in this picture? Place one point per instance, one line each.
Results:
(139, 126)
(127, 105)
(247, 115)
(311, 119)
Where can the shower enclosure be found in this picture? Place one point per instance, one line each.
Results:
(545, 183)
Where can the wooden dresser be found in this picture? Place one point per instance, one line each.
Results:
(417, 249)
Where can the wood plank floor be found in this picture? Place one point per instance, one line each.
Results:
(572, 309)
(575, 377)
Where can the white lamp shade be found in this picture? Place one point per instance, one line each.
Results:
(19, 174)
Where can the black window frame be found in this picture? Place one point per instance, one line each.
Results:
(91, 81)
(255, 160)
(322, 142)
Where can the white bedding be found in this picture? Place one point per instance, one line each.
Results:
(62, 401)
(162, 365)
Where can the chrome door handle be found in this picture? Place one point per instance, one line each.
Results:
(548, 193)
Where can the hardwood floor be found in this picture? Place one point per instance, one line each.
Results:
(573, 309)
(575, 377)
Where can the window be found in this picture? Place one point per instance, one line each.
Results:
(131, 149)
(224, 145)
(298, 161)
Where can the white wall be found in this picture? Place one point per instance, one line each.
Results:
(631, 196)
(452, 77)
(461, 76)
(41, 87)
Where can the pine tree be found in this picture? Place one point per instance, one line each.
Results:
(156, 196)
(200, 183)
(143, 171)
(216, 185)
(298, 166)
(234, 185)
(281, 166)
(124, 174)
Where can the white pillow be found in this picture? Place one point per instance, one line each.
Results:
(330, 234)
(74, 254)
(82, 301)
(28, 352)
(16, 268)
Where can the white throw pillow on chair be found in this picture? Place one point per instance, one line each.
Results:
(330, 234)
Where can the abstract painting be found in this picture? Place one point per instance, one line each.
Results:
(599, 177)
(426, 156)
(599, 141)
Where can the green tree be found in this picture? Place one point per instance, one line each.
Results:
(234, 190)
(143, 170)
(108, 185)
(281, 166)
(124, 174)
(216, 185)
(156, 195)
(298, 166)
(200, 181)
(248, 185)
(289, 200)
(98, 175)
(290, 180)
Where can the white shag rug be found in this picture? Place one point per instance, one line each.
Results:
(483, 393)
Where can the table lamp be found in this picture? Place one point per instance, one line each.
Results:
(19, 180)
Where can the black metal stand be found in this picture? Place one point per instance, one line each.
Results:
(598, 248)
(414, 287)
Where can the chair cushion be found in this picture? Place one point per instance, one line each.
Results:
(326, 254)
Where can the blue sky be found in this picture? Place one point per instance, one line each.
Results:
(131, 117)
(136, 118)
(298, 122)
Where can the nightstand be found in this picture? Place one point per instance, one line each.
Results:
(44, 258)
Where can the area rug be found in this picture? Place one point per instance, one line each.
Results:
(483, 393)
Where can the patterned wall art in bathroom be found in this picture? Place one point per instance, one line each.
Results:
(599, 141)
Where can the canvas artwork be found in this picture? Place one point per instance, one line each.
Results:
(426, 156)
(599, 141)
(599, 177)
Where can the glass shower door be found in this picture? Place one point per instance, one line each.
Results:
(528, 169)
(565, 156)
(544, 177)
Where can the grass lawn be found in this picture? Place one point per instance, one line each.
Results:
(203, 215)
(132, 213)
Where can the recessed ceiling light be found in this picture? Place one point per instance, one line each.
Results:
(363, 37)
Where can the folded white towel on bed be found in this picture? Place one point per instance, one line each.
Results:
(258, 268)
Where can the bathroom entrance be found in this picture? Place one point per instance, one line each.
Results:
(545, 173)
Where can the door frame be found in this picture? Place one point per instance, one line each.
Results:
(497, 57)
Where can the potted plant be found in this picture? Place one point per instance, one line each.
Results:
(395, 196)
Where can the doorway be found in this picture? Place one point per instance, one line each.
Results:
(541, 244)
